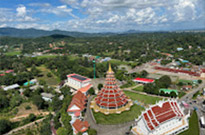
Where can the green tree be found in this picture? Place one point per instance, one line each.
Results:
(91, 91)
(56, 103)
(15, 100)
(4, 101)
(65, 91)
(5, 126)
(38, 101)
(62, 131)
(100, 85)
(49, 74)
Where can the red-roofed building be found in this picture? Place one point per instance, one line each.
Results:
(78, 104)
(143, 80)
(2, 74)
(166, 117)
(80, 126)
(76, 81)
(186, 87)
(9, 71)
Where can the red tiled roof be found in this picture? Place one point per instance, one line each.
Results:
(203, 70)
(156, 114)
(78, 100)
(187, 86)
(2, 74)
(144, 80)
(85, 89)
(80, 126)
(9, 71)
(177, 71)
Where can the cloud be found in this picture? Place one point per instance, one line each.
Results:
(22, 15)
(39, 4)
(21, 11)
(62, 10)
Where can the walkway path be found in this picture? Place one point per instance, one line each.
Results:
(119, 129)
(25, 126)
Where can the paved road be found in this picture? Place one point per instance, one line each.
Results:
(119, 129)
(188, 99)
(191, 93)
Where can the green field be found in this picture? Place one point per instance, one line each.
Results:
(53, 81)
(142, 98)
(139, 88)
(46, 56)
(193, 125)
(13, 53)
(125, 116)
(186, 81)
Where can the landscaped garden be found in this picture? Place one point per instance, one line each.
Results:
(142, 98)
(125, 116)
(193, 125)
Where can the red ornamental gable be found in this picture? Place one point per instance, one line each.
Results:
(156, 114)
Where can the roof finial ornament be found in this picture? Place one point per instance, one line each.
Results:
(110, 68)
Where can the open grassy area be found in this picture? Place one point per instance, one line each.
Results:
(185, 81)
(13, 53)
(193, 125)
(142, 98)
(53, 81)
(125, 116)
(139, 88)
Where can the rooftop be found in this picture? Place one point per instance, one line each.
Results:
(78, 77)
(80, 126)
(144, 80)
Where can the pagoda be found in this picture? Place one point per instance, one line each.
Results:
(111, 99)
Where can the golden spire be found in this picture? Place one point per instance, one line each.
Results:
(110, 68)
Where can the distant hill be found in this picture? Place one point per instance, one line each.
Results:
(33, 33)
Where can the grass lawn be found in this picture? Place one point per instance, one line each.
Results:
(142, 98)
(46, 56)
(13, 53)
(53, 81)
(125, 116)
(139, 88)
(193, 125)
(185, 81)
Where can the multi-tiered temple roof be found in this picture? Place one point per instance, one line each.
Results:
(111, 99)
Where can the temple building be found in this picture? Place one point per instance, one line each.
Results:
(77, 105)
(163, 118)
(111, 99)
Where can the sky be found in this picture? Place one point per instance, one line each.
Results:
(103, 15)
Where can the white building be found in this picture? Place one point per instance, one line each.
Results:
(76, 81)
(10, 87)
(163, 118)
(47, 96)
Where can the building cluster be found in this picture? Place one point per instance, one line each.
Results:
(80, 86)
(163, 118)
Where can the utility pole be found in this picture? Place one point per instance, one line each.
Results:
(94, 69)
